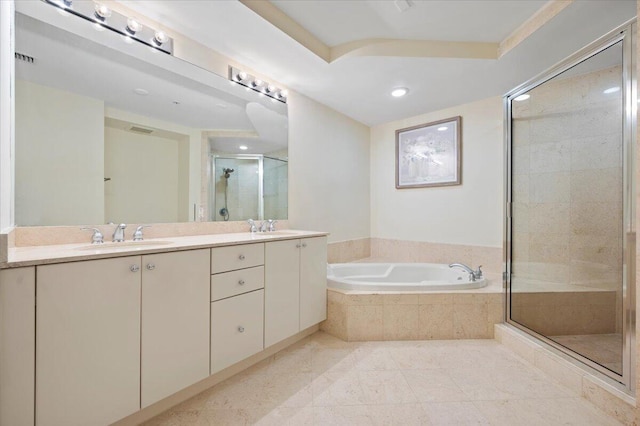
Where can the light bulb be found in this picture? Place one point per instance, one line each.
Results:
(133, 26)
(271, 88)
(241, 76)
(102, 12)
(284, 93)
(257, 83)
(399, 92)
(160, 38)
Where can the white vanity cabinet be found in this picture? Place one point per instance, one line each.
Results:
(295, 286)
(175, 322)
(117, 335)
(237, 308)
(88, 342)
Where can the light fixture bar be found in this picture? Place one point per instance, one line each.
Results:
(249, 81)
(102, 16)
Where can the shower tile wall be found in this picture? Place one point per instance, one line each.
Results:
(567, 203)
(242, 193)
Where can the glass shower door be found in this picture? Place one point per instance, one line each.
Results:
(236, 189)
(568, 214)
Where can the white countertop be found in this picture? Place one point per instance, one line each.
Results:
(41, 255)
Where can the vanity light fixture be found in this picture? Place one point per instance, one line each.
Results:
(398, 92)
(102, 12)
(133, 26)
(102, 17)
(611, 90)
(522, 97)
(159, 38)
(251, 82)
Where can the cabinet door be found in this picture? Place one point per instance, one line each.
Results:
(313, 281)
(87, 342)
(175, 322)
(281, 291)
(17, 345)
(236, 329)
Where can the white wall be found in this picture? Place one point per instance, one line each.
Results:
(59, 166)
(145, 177)
(469, 214)
(328, 171)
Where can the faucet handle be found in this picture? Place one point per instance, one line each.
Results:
(97, 237)
(478, 272)
(263, 226)
(137, 234)
(272, 225)
(252, 225)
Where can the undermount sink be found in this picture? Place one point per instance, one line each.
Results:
(127, 245)
(275, 234)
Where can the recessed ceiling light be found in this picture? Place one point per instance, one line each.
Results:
(522, 97)
(176, 102)
(611, 90)
(243, 147)
(399, 92)
(141, 92)
(442, 129)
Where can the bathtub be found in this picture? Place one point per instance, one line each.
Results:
(399, 277)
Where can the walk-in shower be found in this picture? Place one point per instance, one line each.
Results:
(570, 229)
(248, 187)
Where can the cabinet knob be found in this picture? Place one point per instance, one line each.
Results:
(241, 282)
(298, 245)
(304, 245)
(151, 266)
(241, 257)
(241, 329)
(134, 268)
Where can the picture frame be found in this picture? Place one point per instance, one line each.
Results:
(430, 154)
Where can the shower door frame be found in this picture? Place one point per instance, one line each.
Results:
(212, 190)
(626, 34)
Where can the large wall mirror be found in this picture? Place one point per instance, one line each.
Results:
(109, 131)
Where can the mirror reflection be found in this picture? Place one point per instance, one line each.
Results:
(108, 131)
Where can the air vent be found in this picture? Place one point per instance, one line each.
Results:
(140, 130)
(25, 58)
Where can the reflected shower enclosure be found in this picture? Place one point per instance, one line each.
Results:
(248, 187)
(569, 206)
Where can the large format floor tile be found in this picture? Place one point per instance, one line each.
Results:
(322, 380)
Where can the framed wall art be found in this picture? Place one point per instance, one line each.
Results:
(429, 154)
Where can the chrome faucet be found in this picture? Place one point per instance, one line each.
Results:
(473, 275)
(272, 225)
(137, 234)
(97, 237)
(252, 226)
(263, 226)
(118, 234)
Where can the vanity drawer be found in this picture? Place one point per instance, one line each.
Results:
(232, 283)
(230, 258)
(237, 329)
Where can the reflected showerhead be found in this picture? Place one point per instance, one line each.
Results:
(227, 172)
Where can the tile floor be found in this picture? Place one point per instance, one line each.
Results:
(605, 349)
(322, 380)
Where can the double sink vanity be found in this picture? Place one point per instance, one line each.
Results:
(118, 327)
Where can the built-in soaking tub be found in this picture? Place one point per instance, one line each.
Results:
(399, 277)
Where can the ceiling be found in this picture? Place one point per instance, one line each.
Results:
(359, 86)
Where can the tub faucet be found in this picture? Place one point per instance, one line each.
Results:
(473, 275)
(118, 234)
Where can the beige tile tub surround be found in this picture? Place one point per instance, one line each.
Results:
(599, 391)
(353, 316)
(404, 251)
(349, 251)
